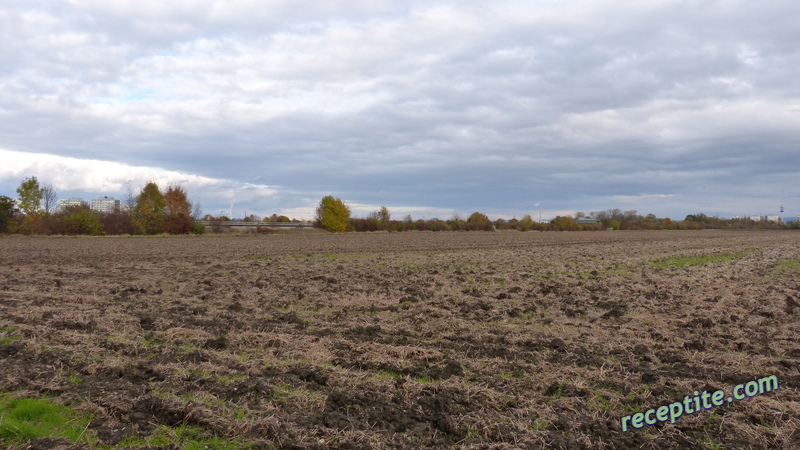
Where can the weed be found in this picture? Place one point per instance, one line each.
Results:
(9, 339)
(228, 379)
(600, 402)
(262, 257)
(73, 378)
(149, 342)
(389, 374)
(280, 393)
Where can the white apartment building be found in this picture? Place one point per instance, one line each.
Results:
(72, 201)
(105, 204)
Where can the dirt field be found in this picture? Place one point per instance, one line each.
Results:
(405, 340)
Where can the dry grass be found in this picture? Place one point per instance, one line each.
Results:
(407, 340)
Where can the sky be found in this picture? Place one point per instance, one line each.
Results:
(430, 108)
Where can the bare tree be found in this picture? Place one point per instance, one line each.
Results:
(130, 198)
(49, 198)
(197, 211)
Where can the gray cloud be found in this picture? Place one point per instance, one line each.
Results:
(665, 106)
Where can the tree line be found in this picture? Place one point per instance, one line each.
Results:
(151, 211)
(334, 215)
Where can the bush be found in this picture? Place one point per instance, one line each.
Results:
(178, 224)
(333, 215)
(526, 223)
(31, 223)
(116, 223)
(438, 225)
(81, 220)
(479, 221)
(198, 228)
(564, 223)
(7, 210)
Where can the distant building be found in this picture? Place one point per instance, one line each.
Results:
(774, 218)
(72, 201)
(585, 220)
(105, 205)
(755, 218)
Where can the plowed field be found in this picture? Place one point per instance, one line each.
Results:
(404, 340)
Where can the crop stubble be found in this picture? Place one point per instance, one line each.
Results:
(393, 340)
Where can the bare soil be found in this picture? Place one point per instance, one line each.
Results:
(408, 340)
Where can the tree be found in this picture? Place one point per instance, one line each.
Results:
(384, 218)
(49, 199)
(564, 223)
(178, 211)
(130, 198)
(30, 195)
(630, 215)
(377, 220)
(7, 210)
(149, 211)
(456, 223)
(526, 223)
(333, 215)
(479, 221)
(197, 210)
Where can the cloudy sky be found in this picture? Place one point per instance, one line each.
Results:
(428, 107)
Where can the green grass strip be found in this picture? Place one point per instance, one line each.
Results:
(678, 262)
(788, 265)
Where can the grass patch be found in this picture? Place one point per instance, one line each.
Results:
(788, 265)
(9, 340)
(679, 262)
(22, 419)
(389, 375)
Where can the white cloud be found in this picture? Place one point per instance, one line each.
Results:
(94, 176)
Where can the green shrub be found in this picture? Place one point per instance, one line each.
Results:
(198, 228)
(81, 220)
(333, 215)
